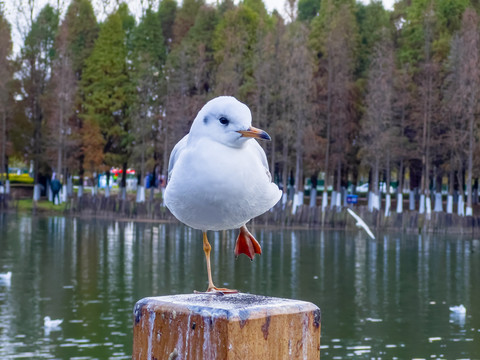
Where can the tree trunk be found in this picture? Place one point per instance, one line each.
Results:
(475, 192)
(438, 190)
(313, 191)
(139, 188)
(461, 193)
(60, 145)
(338, 186)
(3, 167)
(59, 173)
(155, 178)
(285, 171)
(388, 197)
(374, 192)
(451, 177)
(81, 174)
(469, 210)
(107, 188)
(327, 148)
(298, 195)
(64, 192)
(7, 177)
(400, 188)
(123, 183)
(165, 156)
(427, 114)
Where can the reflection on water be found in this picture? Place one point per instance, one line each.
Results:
(384, 298)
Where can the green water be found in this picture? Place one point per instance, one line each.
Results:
(386, 298)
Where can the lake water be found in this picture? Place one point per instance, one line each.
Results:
(386, 298)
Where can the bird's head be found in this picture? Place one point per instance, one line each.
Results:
(226, 120)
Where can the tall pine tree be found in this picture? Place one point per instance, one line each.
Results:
(6, 77)
(82, 30)
(37, 57)
(108, 94)
(148, 60)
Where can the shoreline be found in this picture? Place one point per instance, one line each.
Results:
(279, 217)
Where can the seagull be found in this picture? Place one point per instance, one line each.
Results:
(360, 223)
(218, 177)
(51, 325)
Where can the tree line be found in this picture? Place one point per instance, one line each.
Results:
(347, 91)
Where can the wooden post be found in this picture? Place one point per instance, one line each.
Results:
(233, 326)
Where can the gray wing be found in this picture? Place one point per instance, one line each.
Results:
(263, 157)
(175, 154)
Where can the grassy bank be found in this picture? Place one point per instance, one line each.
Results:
(43, 206)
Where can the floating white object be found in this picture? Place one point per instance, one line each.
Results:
(51, 324)
(361, 223)
(48, 322)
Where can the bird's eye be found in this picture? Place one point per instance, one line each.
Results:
(223, 120)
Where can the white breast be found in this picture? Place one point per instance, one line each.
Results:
(217, 187)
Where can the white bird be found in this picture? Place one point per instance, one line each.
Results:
(51, 324)
(218, 177)
(361, 223)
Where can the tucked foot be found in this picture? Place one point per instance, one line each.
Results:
(247, 244)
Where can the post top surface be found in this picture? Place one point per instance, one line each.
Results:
(232, 305)
(226, 302)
